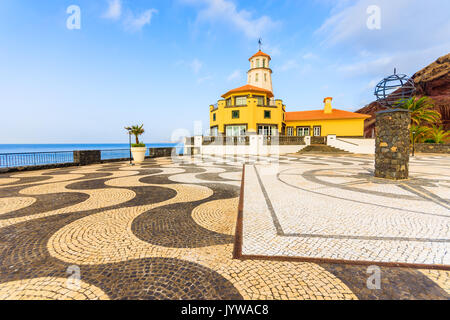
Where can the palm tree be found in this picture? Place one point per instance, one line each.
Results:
(418, 133)
(422, 110)
(136, 131)
(438, 134)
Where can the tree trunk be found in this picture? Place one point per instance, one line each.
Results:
(137, 139)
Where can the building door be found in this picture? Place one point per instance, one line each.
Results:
(317, 131)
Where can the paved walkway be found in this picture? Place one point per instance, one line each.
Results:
(337, 210)
(163, 230)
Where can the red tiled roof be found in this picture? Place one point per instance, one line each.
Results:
(321, 115)
(260, 53)
(249, 88)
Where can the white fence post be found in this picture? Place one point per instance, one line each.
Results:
(307, 140)
(198, 142)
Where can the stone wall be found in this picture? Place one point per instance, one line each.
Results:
(432, 148)
(84, 157)
(392, 144)
(160, 152)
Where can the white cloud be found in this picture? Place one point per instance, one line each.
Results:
(310, 56)
(372, 83)
(289, 65)
(271, 50)
(226, 11)
(413, 34)
(204, 79)
(136, 23)
(114, 10)
(366, 66)
(196, 65)
(235, 75)
(405, 25)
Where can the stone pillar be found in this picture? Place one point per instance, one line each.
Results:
(392, 144)
(85, 157)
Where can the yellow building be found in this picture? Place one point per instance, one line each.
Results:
(252, 109)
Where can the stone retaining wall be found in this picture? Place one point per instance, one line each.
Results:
(432, 148)
(84, 157)
(160, 152)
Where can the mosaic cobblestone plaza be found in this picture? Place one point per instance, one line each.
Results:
(287, 227)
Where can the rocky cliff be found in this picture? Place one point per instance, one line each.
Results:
(432, 81)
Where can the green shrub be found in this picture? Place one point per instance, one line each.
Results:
(430, 141)
(138, 145)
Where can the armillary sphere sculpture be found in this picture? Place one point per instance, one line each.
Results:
(394, 89)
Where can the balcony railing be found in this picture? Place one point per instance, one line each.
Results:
(270, 105)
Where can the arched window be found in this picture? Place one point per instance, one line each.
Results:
(256, 77)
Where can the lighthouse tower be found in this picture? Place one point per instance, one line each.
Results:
(260, 74)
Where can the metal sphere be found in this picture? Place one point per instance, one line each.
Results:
(394, 89)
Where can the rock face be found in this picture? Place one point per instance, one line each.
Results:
(432, 81)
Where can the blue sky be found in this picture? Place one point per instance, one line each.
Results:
(162, 63)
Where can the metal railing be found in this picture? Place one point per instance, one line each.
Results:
(291, 140)
(318, 140)
(116, 154)
(284, 140)
(224, 140)
(9, 160)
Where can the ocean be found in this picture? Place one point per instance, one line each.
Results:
(12, 155)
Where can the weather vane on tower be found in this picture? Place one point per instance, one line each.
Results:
(260, 43)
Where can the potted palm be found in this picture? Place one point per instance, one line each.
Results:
(138, 149)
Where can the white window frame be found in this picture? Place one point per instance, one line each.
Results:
(317, 133)
(303, 131)
(290, 131)
(242, 99)
(235, 131)
(267, 130)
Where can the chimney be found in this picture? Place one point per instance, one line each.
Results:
(328, 108)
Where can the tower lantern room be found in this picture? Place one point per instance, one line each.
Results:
(260, 74)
